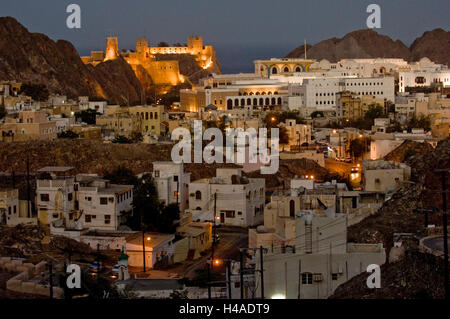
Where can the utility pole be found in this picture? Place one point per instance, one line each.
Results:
(28, 187)
(214, 224)
(178, 189)
(228, 278)
(143, 240)
(50, 268)
(209, 278)
(241, 273)
(211, 260)
(444, 225)
(262, 271)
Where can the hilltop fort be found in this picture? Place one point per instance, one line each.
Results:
(147, 58)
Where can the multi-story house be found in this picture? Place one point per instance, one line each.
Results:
(172, 183)
(236, 200)
(81, 202)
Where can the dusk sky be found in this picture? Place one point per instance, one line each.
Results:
(240, 30)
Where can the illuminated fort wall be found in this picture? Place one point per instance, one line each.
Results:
(161, 72)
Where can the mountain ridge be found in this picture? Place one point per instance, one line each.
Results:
(367, 43)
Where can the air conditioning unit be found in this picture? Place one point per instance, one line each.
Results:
(317, 277)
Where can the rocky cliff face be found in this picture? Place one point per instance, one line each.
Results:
(434, 45)
(35, 58)
(369, 44)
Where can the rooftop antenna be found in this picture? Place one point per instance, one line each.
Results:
(305, 48)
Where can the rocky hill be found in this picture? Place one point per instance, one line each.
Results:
(407, 150)
(416, 276)
(35, 58)
(98, 158)
(368, 43)
(397, 214)
(434, 45)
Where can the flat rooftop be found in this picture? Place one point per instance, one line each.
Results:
(55, 169)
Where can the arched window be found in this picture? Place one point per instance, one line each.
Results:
(273, 101)
(267, 101)
(229, 104)
(242, 102)
(249, 101)
(198, 195)
(298, 69)
(257, 93)
(236, 102)
(274, 70)
(261, 101)
(269, 93)
(292, 208)
(255, 101)
(279, 101)
(286, 69)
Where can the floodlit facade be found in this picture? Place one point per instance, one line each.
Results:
(239, 201)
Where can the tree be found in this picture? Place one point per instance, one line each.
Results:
(394, 127)
(179, 294)
(283, 136)
(420, 121)
(357, 147)
(38, 92)
(146, 203)
(166, 220)
(374, 111)
(68, 134)
(122, 175)
(120, 139)
(2, 112)
(136, 137)
(317, 114)
(88, 116)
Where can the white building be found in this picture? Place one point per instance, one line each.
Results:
(239, 200)
(103, 205)
(81, 202)
(318, 263)
(172, 183)
(320, 94)
(98, 106)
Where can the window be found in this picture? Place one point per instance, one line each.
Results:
(45, 198)
(88, 198)
(334, 276)
(107, 219)
(103, 201)
(156, 173)
(198, 195)
(87, 218)
(69, 197)
(175, 178)
(307, 278)
(229, 213)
